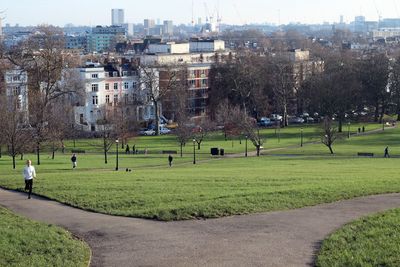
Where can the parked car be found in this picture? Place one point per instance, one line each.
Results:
(265, 122)
(276, 117)
(295, 120)
(164, 130)
(149, 132)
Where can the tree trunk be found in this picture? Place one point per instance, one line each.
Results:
(157, 117)
(198, 146)
(285, 116)
(330, 149)
(22, 156)
(258, 150)
(340, 126)
(53, 152)
(13, 155)
(0, 152)
(376, 116)
(181, 150)
(38, 153)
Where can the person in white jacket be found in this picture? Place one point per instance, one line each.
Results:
(29, 174)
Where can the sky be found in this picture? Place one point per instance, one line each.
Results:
(98, 12)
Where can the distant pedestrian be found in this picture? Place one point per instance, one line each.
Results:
(134, 149)
(73, 160)
(29, 174)
(387, 152)
(127, 151)
(359, 130)
(170, 159)
(363, 129)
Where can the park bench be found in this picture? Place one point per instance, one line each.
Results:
(78, 151)
(169, 152)
(365, 154)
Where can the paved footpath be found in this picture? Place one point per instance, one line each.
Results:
(284, 238)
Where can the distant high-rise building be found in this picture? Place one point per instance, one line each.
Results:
(168, 27)
(149, 23)
(199, 22)
(129, 28)
(1, 30)
(341, 19)
(117, 17)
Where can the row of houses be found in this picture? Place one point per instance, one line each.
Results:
(122, 82)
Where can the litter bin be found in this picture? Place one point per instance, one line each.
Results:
(222, 152)
(214, 151)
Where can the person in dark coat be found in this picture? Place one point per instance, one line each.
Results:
(170, 159)
(73, 160)
(387, 152)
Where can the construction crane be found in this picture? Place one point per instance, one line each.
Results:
(378, 12)
(395, 7)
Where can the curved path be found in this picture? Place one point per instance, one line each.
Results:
(284, 238)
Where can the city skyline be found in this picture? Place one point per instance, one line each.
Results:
(181, 11)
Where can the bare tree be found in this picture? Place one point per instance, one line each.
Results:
(14, 133)
(329, 133)
(203, 128)
(157, 81)
(41, 56)
(282, 78)
(395, 85)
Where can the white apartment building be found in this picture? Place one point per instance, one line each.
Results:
(107, 87)
(16, 84)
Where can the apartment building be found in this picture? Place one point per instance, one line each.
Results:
(197, 58)
(103, 38)
(16, 86)
(108, 87)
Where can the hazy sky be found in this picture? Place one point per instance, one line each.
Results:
(97, 12)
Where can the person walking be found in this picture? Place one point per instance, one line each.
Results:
(170, 159)
(127, 151)
(29, 174)
(387, 152)
(73, 159)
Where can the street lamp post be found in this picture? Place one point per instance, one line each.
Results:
(194, 151)
(245, 154)
(348, 130)
(116, 148)
(301, 137)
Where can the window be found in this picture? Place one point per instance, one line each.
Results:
(126, 99)
(192, 83)
(95, 100)
(134, 84)
(17, 90)
(95, 76)
(115, 86)
(16, 78)
(204, 83)
(95, 87)
(115, 74)
(107, 86)
(115, 99)
(124, 73)
(107, 99)
(126, 85)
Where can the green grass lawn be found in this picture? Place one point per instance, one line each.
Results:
(27, 243)
(215, 187)
(371, 241)
(289, 136)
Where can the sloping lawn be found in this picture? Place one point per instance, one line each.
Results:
(27, 243)
(371, 241)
